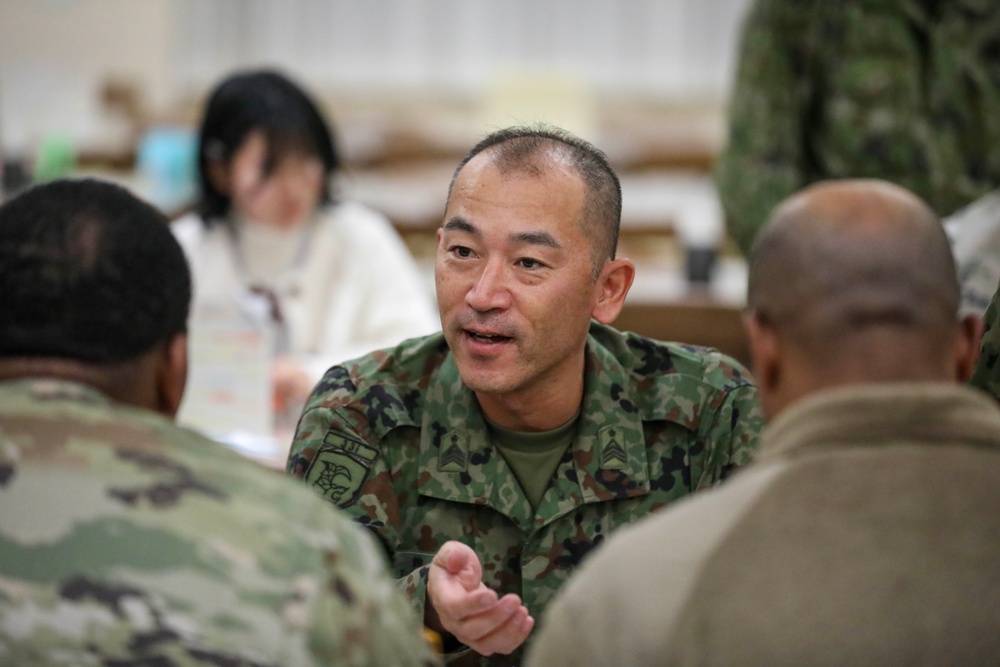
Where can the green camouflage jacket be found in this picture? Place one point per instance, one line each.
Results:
(903, 90)
(397, 440)
(126, 540)
(986, 375)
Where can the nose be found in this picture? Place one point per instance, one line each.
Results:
(300, 181)
(490, 290)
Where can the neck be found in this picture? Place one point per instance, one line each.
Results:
(119, 381)
(266, 252)
(806, 375)
(884, 354)
(534, 412)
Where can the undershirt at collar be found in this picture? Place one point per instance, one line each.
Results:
(533, 457)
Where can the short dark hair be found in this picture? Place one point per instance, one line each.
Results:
(519, 148)
(270, 102)
(88, 272)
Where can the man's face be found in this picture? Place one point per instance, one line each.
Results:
(514, 279)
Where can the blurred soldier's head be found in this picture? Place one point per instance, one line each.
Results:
(93, 287)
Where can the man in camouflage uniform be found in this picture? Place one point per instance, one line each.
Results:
(903, 90)
(490, 458)
(125, 539)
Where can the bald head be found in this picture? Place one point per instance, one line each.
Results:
(843, 255)
(857, 276)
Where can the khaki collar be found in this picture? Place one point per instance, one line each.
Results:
(872, 415)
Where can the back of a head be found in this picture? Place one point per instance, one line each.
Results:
(843, 259)
(260, 101)
(88, 273)
(529, 149)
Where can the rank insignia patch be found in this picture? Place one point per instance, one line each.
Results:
(613, 454)
(454, 455)
(341, 468)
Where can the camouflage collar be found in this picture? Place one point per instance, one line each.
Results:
(46, 388)
(607, 460)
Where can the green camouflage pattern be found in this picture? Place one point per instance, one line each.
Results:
(903, 90)
(126, 540)
(658, 421)
(986, 375)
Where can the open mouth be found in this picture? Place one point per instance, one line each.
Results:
(486, 338)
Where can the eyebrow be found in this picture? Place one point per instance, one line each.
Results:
(458, 224)
(536, 238)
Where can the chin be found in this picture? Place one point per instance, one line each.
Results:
(487, 383)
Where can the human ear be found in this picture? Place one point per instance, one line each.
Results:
(967, 342)
(763, 349)
(612, 287)
(172, 375)
(219, 175)
(765, 358)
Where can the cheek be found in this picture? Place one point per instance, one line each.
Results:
(312, 190)
(260, 202)
(447, 287)
(566, 310)
(251, 198)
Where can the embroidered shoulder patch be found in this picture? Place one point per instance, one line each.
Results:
(341, 468)
(613, 454)
(454, 456)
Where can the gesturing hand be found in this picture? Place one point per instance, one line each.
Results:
(468, 609)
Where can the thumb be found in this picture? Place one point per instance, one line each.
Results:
(459, 560)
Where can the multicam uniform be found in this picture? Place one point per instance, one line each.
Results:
(397, 440)
(903, 90)
(126, 540)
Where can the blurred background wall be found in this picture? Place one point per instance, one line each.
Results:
(409, 86)
(678, 48)
(65, 64)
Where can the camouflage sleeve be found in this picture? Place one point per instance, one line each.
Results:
(732, 435)
(986, 375)
(334, 453)
(334, 390)
(763, 159)
(359, 617)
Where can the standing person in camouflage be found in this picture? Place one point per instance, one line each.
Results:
(125, 539)
(490, 458)
(866, 531)
(903, 90)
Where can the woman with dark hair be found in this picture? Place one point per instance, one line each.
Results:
(333, 278)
